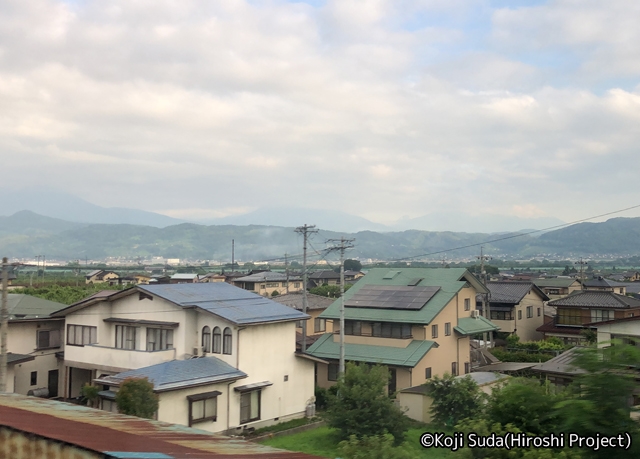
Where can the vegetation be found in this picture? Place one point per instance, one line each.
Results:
(65, 294)
(454, 399)
(90, 395)
(136, 398)
(373, 447)
(361, 406)
(352, 265)
(331, 291)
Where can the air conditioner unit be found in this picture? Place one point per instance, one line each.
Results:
(475, 314)
(196, 351)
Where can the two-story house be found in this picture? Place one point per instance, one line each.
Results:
(416, 321)
(516, 307)
(580, 310)
(316, 304)
(328, 277)
(600, 284)
(34, 342)
(558, 287)
(100, 276)
(265, 283)
(220, 358)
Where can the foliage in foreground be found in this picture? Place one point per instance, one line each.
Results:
(373, 447)
(136, 398)
(454, 399)
(65, 294)
(361, 406)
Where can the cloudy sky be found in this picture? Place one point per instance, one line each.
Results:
(384, 108)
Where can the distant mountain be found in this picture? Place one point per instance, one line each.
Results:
(29, 223)
(73, 209)
(333, 220)
(454, 221)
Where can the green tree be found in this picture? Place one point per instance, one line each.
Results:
(136, 398)
(372, 447)
(589, 335)
(361, 406)
(454, 399)
(331, 291)
(352, 265)
(90, 395)
(275, 293)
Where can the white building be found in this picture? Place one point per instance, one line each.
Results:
(221, 358)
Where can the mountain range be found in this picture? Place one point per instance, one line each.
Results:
(25, 234)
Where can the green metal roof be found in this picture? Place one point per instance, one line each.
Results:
(559, 282)
(450, 281)
(326, 348)
(30, 307)
(472, 325)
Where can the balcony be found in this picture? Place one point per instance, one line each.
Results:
(118, 359)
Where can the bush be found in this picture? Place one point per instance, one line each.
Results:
(373, 447)
(520, 356)
(454, 399)
(136, 398)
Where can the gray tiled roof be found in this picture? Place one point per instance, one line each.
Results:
(224, 300)
(596, 299)
(294, 300)
(327, 274)
(510, 292)
(561, 364)
(178, 374)
(267, 276)
(602, 282)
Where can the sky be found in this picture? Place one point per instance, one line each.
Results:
(385, 109)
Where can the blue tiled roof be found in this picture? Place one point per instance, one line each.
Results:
(178, 374)
(224, 300)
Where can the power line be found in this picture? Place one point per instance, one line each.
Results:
(513, 236)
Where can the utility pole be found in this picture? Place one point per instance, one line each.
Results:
(44, 267)
(581, 262)
(233, 253)
(344, 244)
(4, 324)
(486, 307)
(305, 230)
(286, 272)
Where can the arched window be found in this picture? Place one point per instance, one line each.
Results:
(206, 339)
(226, 343)
(217, 340)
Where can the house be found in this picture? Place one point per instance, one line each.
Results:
(11, 277)
(34, 344)
(265, 283)
(316, 304)
(141, 278)
(350, 276)
(213, 277)
(100, 276)
(516, 307)
(416, 321)
(557, 287)
(221, 359)
(318, 278)
(559, 370)
(580, 310)
(184, 278)
(626, 330)
(36, 428)
(600, 284)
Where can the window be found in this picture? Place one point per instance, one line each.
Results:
(538, 312)
(206, 339)
(79, 335)
(427, 373)
(226, 343)
(390, 330)
(296, 285)
(332, 372)
(520, 314)
(159, 339)
(434, 331)
(501, 315)
(467, 304)
(529, 312)
(454, 368)
(569, 316)
(203, 407)
(217, 341)
(447, 329)
(352, 327)
(262, 286)
(299, 323)
(125, 337)
(273, 284)
(599, 315)
(319, 325)
(46, 339)
(34, 378)
(250, 406)
(467, 368)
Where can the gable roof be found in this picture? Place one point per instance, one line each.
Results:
(602, 282)
(561, 364)
(450, 281)
(512, 292)
(326, 274)
(326, 348)
(294, 300)
(23, 306)
(179, 374)
(596, 299)
(267, 276)
(557, 282)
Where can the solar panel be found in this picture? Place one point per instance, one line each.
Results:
(391, 297)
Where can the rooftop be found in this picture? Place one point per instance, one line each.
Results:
(116, 435)
(596, 299)
(179, 374)
(267, 276)
(561, 364)
(512, 292)
(294, 300)
(557, 282)
(30, 307)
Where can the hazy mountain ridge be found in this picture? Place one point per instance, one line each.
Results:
(26, 233)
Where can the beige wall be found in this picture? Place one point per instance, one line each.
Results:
(314, 313)
(606, 331)
(526, 328)
(416, 406)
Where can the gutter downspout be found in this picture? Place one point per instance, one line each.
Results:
(229, 405)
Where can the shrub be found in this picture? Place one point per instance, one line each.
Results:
(136, 398)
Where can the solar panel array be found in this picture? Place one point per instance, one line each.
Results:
(391, 297)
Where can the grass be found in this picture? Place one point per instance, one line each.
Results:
(323, 441)
(284, 426)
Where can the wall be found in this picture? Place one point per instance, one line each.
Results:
(526, 328)
(417, 406)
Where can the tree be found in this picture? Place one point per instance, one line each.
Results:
(361, 406)
(454, 399)
(136, 398)
(275, 293)
(331, 291)
(90, 395)
(352, 265)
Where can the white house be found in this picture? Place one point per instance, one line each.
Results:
(220, 358)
